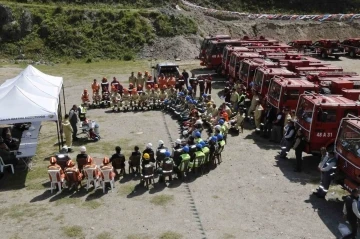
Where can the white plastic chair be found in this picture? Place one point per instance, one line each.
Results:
(107, 179)
(55, 179)
(89, 174)
(3, 165)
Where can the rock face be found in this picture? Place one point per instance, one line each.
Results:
(6, 15)
(25, 23)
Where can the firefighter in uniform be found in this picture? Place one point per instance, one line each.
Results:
(82, 112)
(180, 83)
(132, 78)
(104, 85)
(141, 80)
(135, 98)
(115, 99)
(153, 97)
(150, 81)
(143, 99)
(240, 117)
(54, 166)
(208, 84)
(258, 114)
(115, 83)
(193, 83)
(148, 89)
(184, 157)
(90, 164)
(96, 98)
(85, 97)
(126, 99)
(171, 82)
(106, 166)
(163, 94)
(201, 82)
(95, 86)
(162, 81)
(351, 213)
(327, 168)
(157, 89)
(77, 175)
(289, 137)
(138, 78)
(234, 99)
(254, 99)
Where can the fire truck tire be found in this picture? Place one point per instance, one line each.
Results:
(323, 55)
(337, 57)
(352, 54)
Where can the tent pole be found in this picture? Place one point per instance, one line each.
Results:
(60, 125)
(57, 127)
(64, 97)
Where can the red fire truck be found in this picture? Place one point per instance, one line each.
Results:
(206, 42)
(235, 60)
(351, 46)
(347, 150)
(248, 66)
(228, 50)
(319, 117)
(266, 46)
(263, 76)
(285, 92)
(328, 47)
(305, 70)
(301, 45)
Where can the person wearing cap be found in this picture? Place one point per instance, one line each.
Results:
(68, 131)
(145, 161)
(351, 212)
(115, 99)
(205, 150)
(327, 168)
(106, 166)
(132, 78)
(258, 114)
(220, 140)
(198, 138)
(71, 169)
(115, 84)
(288, 140)
(195, 159)
(212, 146)
(54, 166)
(177, 150)
(167, 160)
(149, 151)
(299, 147)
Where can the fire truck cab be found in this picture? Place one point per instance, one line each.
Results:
(205, 43)
(285, 92)
(264, 75)
(347, 150)
(305, 70)
(328, 47)
(300, 44)
(352, 46)
(235, 61)
(248, 67)
(319, 117)
(228, 51)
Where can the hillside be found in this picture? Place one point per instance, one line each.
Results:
(125, 29)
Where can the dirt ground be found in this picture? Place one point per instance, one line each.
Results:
(252, 194)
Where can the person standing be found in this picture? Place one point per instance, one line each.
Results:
(132, 78)
(185, 75)
(74, 119)
(327, 168)
(234, 99)
(270, 116)
(299, 147)
(258, 115)
(68, 131)
(351, 212)
(278, 123)
(288, 139)
(201, 82)
(208, 81)
(193, 84)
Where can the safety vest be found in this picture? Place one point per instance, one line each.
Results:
(196, 163)
(198, 140)
(82, 112)
(222, 143)
(206, 152)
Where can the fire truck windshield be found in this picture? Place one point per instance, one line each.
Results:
(244, 69)
(305, 110)
(274, 90)
(204, 44)
(259, 75)
(349, 138)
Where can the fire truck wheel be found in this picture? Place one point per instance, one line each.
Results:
(337, 57)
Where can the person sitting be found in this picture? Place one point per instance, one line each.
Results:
(85, 97)
(12, 143)
(194, 161)
(106, 166)
(3, 145)
(77, 176)
(221, 141)
(104, 85)
(96, 98)
(167, 161)
(115, 99)
(54, 166)
(198, 138)
(90, 165)
(149, 151)
(6, 155)
(145, 161)
(191, 140)
(81, 159)
(135, 98)
(118, 161)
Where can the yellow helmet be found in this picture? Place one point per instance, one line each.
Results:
(146, 156)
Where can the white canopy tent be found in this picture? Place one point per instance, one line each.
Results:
(32, 96)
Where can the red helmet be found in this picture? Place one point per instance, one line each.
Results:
(148, 86)
(89, 160)
(70, 163)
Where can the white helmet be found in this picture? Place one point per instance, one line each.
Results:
(178, 141)
(82, 149)
(218, 127)
(149, 145)
(161, 142)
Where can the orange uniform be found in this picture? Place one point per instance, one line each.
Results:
(95, 87)
(54, 166)
(85, 97)
(90, 164)
(162, 81)
(171, 82)
(106, 166)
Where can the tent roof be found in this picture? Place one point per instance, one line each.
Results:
(20, 106)
(54, 80)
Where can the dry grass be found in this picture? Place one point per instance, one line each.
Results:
(93, 204)
(59, 217)
(73, 232)
(126, 189)
(138, 236)
(104, 235)
(67, 201)
(21, 211)
(228, 236)
(170, 235)
(162, 200)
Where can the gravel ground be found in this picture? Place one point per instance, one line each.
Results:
(252, 194)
